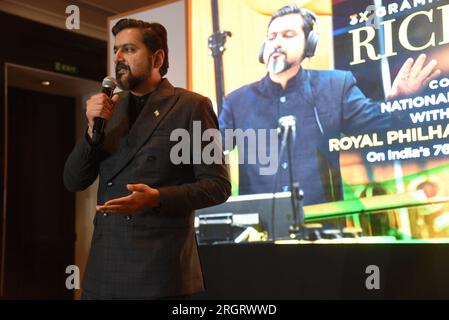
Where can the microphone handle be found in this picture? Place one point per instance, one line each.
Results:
(98, 129)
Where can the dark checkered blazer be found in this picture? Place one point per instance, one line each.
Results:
(151, 253)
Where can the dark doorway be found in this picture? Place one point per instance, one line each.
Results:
(40, 219)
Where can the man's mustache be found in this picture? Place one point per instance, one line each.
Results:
(121, 66)
(277, 50)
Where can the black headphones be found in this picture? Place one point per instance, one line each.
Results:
(312, 38)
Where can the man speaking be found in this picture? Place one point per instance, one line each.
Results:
(144, 245)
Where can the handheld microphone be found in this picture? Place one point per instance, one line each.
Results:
(107, 87)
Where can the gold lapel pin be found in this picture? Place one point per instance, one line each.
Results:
(156, 113)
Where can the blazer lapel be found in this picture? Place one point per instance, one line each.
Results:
(160, 102)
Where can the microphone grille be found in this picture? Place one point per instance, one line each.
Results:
(287, 121)
(109, 82)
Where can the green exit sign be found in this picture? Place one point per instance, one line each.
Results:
(66, 68)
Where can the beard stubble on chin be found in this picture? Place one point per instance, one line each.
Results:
(127, 80)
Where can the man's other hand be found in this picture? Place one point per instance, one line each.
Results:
(142, 197)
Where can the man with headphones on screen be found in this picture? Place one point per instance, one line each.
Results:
(324, 104)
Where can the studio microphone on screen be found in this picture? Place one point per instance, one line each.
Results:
(107, 87)
(285, 124)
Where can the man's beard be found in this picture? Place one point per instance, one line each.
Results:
(127, 81)
(278, 64)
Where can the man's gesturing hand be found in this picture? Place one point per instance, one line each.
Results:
(413, 77)
(142, 197)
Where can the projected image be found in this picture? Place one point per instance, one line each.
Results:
(340, 134)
